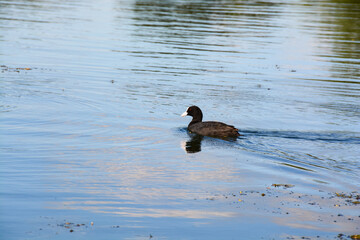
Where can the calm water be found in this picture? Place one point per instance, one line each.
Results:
(93, 145)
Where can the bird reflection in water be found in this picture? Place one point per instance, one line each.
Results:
(193, 145)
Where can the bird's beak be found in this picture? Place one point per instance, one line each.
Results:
(184, 114)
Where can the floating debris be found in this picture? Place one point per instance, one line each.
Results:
(23, 68)
(352, 198)
(343, 195)
(18, 69)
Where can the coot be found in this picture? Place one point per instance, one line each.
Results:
(211, 128)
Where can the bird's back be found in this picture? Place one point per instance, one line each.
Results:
(214, 129)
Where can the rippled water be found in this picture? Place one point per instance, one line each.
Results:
(92, 139)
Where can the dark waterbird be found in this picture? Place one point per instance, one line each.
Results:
(209, 128)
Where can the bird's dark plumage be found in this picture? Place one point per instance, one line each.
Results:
(209, 128)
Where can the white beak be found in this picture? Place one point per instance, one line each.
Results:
(184, 114)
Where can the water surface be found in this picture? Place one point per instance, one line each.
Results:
(92, 139)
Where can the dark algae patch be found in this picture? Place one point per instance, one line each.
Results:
(73, 226)
(283, 185)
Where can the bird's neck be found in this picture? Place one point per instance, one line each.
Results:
(196, 119)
